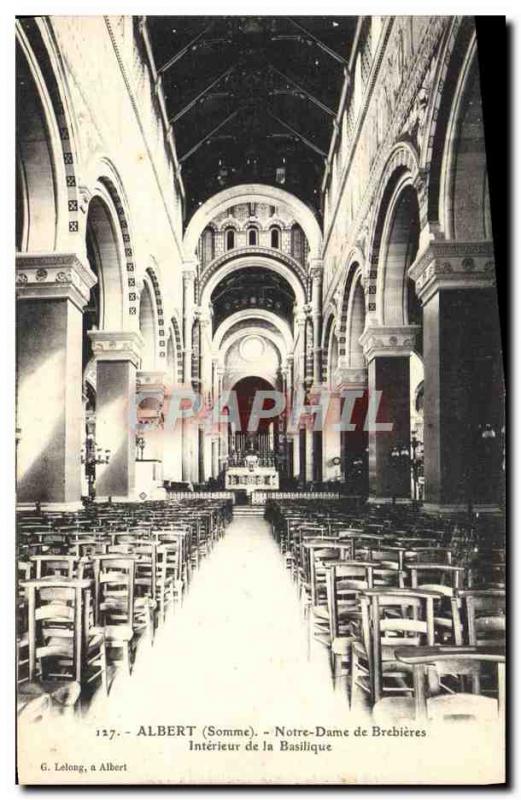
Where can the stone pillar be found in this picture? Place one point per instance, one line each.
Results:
(350, 382)
(300, 337)
(150, 474)
(205, 320)
(190, 468)
(315, 271)
(464, 382)
(331, 453)
(290, 375)
(223, 426)
(172, 445)
(309, 454)
(215, 457)
(189, 274)
(283, 442)
(117, 356)
(388, 351)
(52, 291)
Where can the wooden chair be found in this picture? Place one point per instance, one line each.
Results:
(57, 566)
(390, 617)
(482, 615)
(446, 579)
(24, 573)
(344, 582)
(169, 580)
(144, 553)
(63, 647)
(114, 602)
(436, 700)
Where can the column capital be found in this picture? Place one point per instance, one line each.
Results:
(189, 270)
(345, 377)
(453, 265)
(54, 276)
(316, 269)
(383, 340)
(150, 380)
(117, 346)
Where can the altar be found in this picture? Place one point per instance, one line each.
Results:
(249, 480)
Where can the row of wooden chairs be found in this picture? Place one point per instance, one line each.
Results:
(88, 597)
(369, 587)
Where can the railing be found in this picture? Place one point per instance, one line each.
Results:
(260, 498)
(201, 496)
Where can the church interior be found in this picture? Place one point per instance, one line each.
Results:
(210, 210)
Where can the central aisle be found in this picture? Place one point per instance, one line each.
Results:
(237, 647)
(233, 656)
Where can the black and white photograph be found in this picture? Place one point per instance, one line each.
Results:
(260, 403)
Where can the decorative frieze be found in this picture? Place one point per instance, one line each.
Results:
(380, 340)
(54, 276)
(117, 346)
(453, 265)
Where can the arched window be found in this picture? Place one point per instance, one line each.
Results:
(230, 239)
(298, 244)
(207, 246)
(252, 236)
(275, 238)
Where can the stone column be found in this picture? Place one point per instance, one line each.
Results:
(190, 459)
(52, 291)
(283, 420)
(464, 382)
(223, 427)
(290, 375)
(205, 387)
(215, 457)
(309, 455)
(172, 444)
(315, 271)
(117, 356)
(189, 275)
(300, 337)
(150, 386)
(349, 383)
(205, 320)
(388, 351)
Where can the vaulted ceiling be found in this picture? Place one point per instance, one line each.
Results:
(252, 289)
(252, 99)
